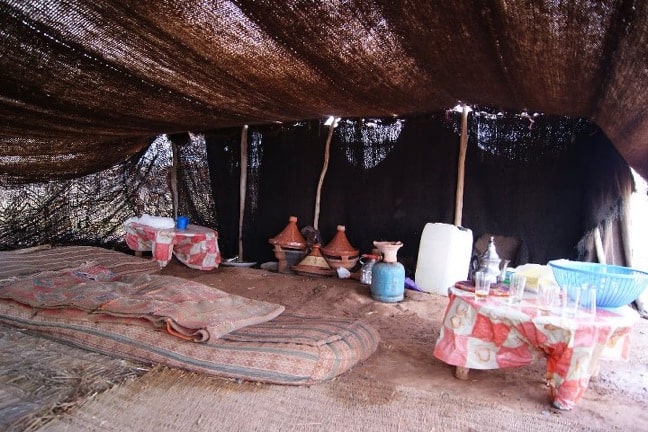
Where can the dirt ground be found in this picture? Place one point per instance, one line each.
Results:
(616, 400)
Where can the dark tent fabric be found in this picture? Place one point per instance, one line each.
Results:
(86, 84)
(546, 180)
(387, 179)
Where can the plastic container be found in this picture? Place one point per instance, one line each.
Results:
(182, 222)
(443, 258)
(367, 261)
(615, 285)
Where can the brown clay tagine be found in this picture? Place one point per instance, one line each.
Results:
(289, 246)
(314, 264)
(339, 252)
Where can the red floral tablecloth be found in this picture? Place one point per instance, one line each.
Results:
(494, 334)
(196, 246)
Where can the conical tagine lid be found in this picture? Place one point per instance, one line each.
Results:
(290, 237)
(314, 263)
(339, 244)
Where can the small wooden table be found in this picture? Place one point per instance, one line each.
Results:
(196, 246)
(492, 334)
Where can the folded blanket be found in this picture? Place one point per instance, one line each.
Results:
(181, 307)
(153, 221)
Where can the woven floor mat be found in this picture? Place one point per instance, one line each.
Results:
(174, 400)
(41, 379)
(35, 260)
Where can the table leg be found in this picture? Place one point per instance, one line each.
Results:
(462, 373)
(596, 369)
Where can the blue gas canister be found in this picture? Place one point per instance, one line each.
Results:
(388, 275)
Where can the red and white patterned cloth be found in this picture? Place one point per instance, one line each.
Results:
(196, 246)
(493, 335)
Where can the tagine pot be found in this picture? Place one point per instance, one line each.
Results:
(339, 252)
(289, 246)
(313, 264)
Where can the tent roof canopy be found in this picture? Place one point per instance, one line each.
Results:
(87, 83)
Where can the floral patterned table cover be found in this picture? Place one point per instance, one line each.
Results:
(494, 334)
(196, 246)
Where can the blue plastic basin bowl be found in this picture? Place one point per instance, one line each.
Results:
(615, 285)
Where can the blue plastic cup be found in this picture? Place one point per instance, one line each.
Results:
(182, 222)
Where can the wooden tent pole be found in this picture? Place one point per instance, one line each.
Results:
(598, 245)
(463, 146)
(242, 188)
(327, 151)
(625, 236)
(174, 177)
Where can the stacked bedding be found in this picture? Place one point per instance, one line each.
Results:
(107, 306)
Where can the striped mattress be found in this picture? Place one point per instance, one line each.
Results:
(288, 349)
(23, 263)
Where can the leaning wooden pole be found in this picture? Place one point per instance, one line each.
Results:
(174, 177)
(327, 151)
(242, 188)
(598, 246)
(461, 166)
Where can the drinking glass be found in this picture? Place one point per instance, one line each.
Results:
(516, 288)
(588, 299)
(570, 301)
(483, 283)
(548, 291)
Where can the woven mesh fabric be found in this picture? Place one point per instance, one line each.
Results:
(85, 84)
(90, 210)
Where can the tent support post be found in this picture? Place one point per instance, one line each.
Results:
(174, 177)
(625, 237)
(327, 151)
(242, 188)
(598, 245)
(461, 164)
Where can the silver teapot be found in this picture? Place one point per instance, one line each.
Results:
(490, 263)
